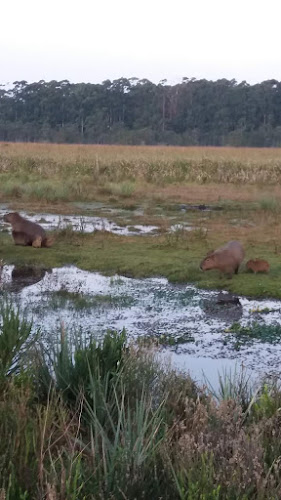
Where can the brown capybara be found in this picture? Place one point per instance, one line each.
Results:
(258, 266)
(27, 233)
(226, 259)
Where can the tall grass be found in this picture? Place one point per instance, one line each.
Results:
(107, 421)
(236, 385)
(15, 331)
(66, 172)
(270, 204)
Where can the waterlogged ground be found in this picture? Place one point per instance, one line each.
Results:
(197, 333)
(98, 216)
(82, 223)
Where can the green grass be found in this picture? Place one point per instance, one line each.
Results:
(164, 340)
(142, 257)
(124, 189)
(49, 190)
(79, 300)
(15, 332)
(270, 204)
(51, 173)
(255, 332)
(106, 421)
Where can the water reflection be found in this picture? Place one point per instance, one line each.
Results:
(24, 276)
(195, 324)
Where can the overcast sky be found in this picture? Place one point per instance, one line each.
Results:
(90, 40)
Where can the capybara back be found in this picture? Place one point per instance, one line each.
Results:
(257, 265)
(226, 259)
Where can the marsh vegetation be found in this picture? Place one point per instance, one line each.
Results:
(92, 420)
(91, 413)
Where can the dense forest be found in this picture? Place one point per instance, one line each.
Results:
(133, 111)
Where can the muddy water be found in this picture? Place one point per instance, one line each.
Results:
(92, 303)
(86, 224)
(90, 223)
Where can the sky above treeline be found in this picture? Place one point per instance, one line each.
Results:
(91, 40)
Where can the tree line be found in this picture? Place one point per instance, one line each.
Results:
(137, 111)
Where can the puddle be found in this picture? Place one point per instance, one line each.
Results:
(86, 224)
(202, 208)
(209, 370)
(95, 205)
(181, 226)
(147, 307)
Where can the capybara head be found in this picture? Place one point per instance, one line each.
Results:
(11, 217)
(210, 262)
(258, 265)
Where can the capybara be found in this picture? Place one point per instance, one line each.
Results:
(258, 265)
(27, 233)
(226, 259)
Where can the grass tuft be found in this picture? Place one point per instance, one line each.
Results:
(113, 422)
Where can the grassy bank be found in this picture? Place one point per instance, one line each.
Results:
(244, 183)
(174, 256)
(100, 421)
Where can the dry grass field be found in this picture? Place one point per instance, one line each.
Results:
(245, 183)
(59, 173)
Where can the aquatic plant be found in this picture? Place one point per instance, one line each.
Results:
(256, 331)
(235, 385)
(78, 300)
(164, 340)
(15, 331)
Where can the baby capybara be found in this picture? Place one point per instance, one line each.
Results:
(226, 259)
(26, 233)
(258, 266)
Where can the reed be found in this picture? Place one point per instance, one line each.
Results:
(113, 422)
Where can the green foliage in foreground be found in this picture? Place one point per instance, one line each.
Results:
(106, 421)
(14, 333)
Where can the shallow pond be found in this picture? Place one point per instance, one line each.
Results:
(82, 223)
(194, 330)
(91, 223)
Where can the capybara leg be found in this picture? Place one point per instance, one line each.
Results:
(20, 238)
(229, 273)
(37, 242)
(48, 242)
(236, 270)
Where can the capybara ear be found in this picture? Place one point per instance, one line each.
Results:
(37, 242)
